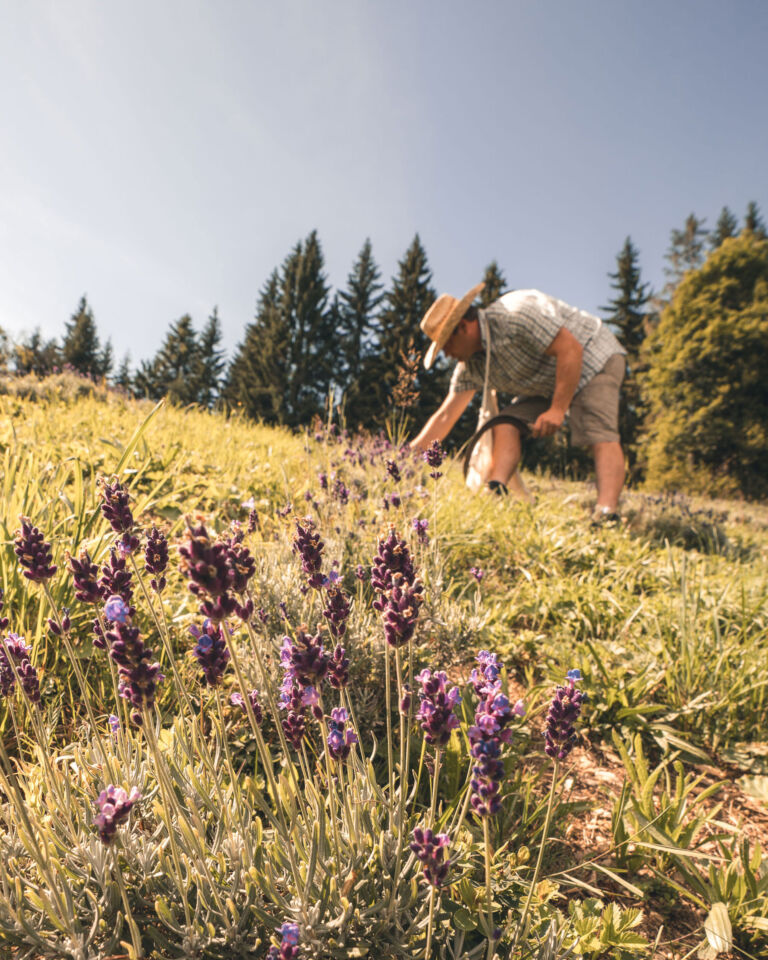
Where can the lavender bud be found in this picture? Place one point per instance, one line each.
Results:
(33, 553)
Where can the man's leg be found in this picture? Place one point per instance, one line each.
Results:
(507, 450)
(609, 469)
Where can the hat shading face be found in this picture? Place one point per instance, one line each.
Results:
(442, 318)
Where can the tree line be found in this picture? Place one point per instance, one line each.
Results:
(361, 346)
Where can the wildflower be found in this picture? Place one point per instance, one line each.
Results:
(288, 949)
(564, 711)
(207, 565)
(436, 707)
(518, 709)
(33, 552)
(434, 457)
(56, 628)
(430, 849)
(242, 565)
(304, 659)
(486, 679)
(340, 739)
(477, 573)
(138, 677)
(253, 696)
(117, 610)
(156, 558)
(114, 507)
(323, 480)
(361, 573)
(287, 509)
(393, 558)
(115, 579)
(114, 806)
(253, 521)
(114, 723)
(210, 651)
(338, 668)
(340, 491)
(14, 649)
(337, 611)
(294, 723)
(486, 737)
(393, 470)
(420, 528)
(310, 548)
(401, 611)
(84, 572)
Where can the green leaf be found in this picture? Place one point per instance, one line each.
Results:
(718, 928)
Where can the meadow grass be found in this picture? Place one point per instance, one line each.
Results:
(665, 614)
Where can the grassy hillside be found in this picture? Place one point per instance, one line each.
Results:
(644, 841)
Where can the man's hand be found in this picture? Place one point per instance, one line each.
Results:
(548, 422)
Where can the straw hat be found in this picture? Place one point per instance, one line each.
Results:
(442, 318)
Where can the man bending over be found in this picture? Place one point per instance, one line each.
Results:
(553, 358)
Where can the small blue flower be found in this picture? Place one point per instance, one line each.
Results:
(117, 610)
(573, 675)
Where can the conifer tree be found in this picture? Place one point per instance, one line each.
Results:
(495, 284)
(257, 376)
(209, 363)
(80, 348)
(727, 226)
(753, 221)
(171, 372)
(399, 336)
(37, 356)
(122, 377)
(685, 252)
(357, 322)
(626, 312)
(304, 308)
(708, 406)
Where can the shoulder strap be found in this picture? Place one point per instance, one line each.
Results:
(485, 328)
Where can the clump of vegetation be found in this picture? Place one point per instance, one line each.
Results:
(269, 695)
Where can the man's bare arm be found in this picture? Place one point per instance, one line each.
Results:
(568, 354)
(443, 419)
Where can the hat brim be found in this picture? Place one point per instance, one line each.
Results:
(449, 324)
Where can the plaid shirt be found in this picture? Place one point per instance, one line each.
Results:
(523, 324)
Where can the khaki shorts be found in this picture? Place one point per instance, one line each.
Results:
(594, 413)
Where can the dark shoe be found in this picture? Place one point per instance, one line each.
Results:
(497, 487)
(604, 517)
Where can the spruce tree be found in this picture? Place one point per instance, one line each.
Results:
(399, 337)
(37, 356)
(80, 348)
(626, 312)
(357, 323)
(311, 349)
(209, 363)
(122, 377)
(753, 221)
(685, 252)
(727, 226)
(257, 377)
(171, 372)
(495, 284)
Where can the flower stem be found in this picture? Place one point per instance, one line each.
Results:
(488, 892)
(429, 924)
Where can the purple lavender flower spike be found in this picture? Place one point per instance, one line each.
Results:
(340, 738)
(486, 737)
(13, 648)
(340, 491)
(114, 506)
(434, 456)
(305, 659)
(420, 528)
(338, 668)
(393, 470)
(486, 679)
(84, 575)
(33, 553)
(294, 722)
(401, 611)
(436, 708)
(336, 611)
(564, 711)
(392, 558)
(114, 806)
(156, 558)
(310, 548)
(206, 564)
(237, 700)
(430, 849)
(288, 949)
(138, 677)
(477, 573)
(242, 564)
(115, 578)
(210, 652)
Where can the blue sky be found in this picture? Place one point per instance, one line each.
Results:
(163, 157)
